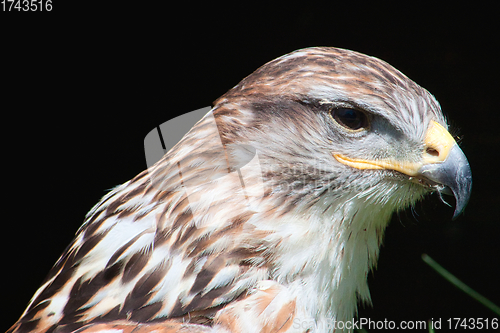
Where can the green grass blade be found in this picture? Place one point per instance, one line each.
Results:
(460, 285)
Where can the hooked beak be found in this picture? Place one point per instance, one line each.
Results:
(454, 173)
(443, 166)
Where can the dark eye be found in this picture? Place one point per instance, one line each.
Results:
(351, 119)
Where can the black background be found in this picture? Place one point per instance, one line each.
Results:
(82, 86)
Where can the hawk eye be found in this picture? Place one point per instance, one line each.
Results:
(351, 119)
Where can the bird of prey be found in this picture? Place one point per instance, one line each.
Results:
(269, 213)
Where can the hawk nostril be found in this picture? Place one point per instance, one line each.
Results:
(432, 151)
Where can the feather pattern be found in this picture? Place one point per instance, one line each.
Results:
(248, 224)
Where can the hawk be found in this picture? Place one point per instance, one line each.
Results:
(269, 213)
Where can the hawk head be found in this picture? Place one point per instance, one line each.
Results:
(268, 213)
(335, 125)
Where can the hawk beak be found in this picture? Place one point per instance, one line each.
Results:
(452, 170)
(443, 164)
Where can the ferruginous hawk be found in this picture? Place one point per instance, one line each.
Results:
(268, 215)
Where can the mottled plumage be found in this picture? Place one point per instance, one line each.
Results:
(264, 217)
